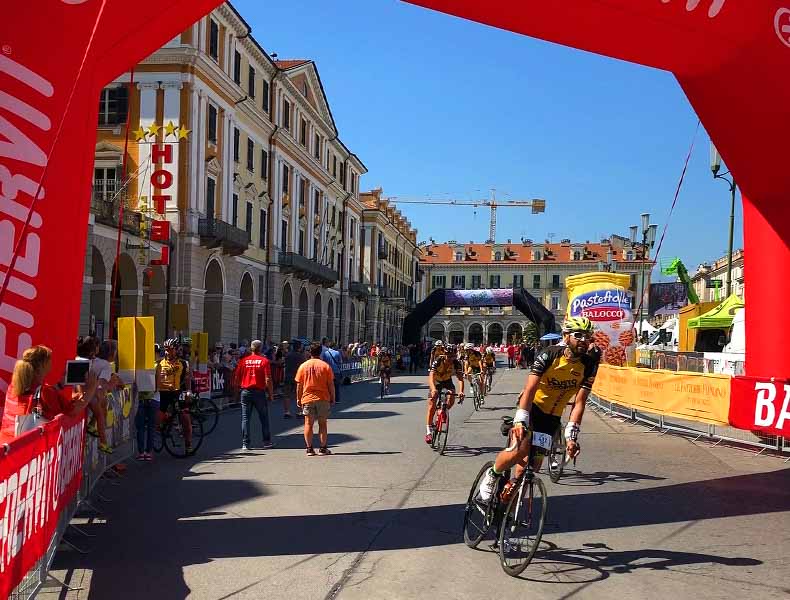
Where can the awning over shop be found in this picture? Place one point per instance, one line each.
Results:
(720, 317)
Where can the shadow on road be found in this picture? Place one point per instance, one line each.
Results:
(579, 479)
(168, 527)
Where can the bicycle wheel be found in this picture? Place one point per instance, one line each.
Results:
(207, 413)
(382, 386)
(158, 439)
(175, 443)
(437, 426)
(477, 515)
(442, 435)
(556, 456)
(522, 526)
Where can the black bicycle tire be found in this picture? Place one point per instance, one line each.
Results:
(381, 387)
(536, 482)
(197, 439)
(209, 413)
(158, 439)
(558, 441)
(446, 432)
(470, 541)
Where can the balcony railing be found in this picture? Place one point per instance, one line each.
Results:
(106, 207)
(215, 233)
(308, 269)
(359, 290)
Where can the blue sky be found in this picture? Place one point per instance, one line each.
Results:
(440, 107)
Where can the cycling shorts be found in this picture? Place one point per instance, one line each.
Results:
(543, 423)
(445, 385)
(166, 398)
(475, 370)
(386, 371)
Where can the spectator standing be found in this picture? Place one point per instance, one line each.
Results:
(315, 395)
(332, 357)
(254, 377)
(511, 356)
(293, 360)
(102, 366)
(414, 355)
(145, 424)
(28, 396)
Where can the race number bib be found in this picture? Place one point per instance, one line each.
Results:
(541, 440)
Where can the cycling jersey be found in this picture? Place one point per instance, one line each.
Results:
(489, 359)
(385, 362)
(444, 369)
(473, 360)
(561, 378)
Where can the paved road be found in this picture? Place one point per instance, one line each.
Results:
(645, 516)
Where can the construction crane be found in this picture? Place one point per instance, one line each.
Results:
(538, 205)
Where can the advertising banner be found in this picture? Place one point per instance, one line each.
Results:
(499, 297)
(39, 476)
(667, 298)
(761, 405)
(692, 396)
(603, 298)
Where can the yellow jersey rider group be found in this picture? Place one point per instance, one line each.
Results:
(475, 367)
(444, 365)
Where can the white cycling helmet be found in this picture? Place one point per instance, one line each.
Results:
(469, 346)
(385, 350)
(489, 350)
(438, 343)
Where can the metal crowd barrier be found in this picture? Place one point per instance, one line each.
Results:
(96, 467)
(715, 433)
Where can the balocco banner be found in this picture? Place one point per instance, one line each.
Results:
(699, 397)
(760, 405)
(478, 297)
(39, 475)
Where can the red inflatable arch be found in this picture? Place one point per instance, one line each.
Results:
(731, 58)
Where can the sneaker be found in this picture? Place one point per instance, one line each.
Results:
(428, 438)
(555, 465)
(324, 451)
(106, 448)
(310, 452)
(267, 445)
(487, 486)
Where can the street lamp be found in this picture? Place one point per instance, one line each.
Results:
(648, 238)
(715, 167)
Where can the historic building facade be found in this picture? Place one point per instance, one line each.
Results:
(263, 196)
(539, 268)
(710, 280)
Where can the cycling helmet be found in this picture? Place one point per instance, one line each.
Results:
(385, 350)
(577, 324)
(170, 343)
(468, 346)
(187, 341)
(438, 344)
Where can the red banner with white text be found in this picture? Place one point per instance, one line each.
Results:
(760, 405)
(39, 475)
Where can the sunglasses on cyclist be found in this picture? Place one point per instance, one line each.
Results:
(581, 335)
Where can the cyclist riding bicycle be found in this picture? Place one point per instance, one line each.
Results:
(171, 382)
(489, 360)
(560, 374)
(385, 364)
(474, 366)
(437, 350)
(440, 377)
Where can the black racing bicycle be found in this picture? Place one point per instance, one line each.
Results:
(516, 512)
(172, 432)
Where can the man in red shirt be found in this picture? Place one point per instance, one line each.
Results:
(254, 378)
(511, 355)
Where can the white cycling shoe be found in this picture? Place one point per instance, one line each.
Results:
(487, 486)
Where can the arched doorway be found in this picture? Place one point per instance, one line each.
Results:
(246, 307)
(100, 294)
(317, 315)
(303, 309)
(287, 313)
(330, 322)
(495, 333)
(476, 333)
(456, 333)
(212, 303)
(127, 293)
(514, 333)
(155, 298)
(436, 331)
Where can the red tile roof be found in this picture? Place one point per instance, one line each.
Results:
(517, 253)
(290, 63)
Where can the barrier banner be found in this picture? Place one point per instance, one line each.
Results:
(691, 396)
(201, 382)
(761, 405)
(39, 476)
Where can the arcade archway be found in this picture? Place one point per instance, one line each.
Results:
(495, 333)
(212, 304)
(475, 334)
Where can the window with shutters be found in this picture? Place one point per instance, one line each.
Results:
(555, 303)
(536, 282)
(286, 175)
(303, 132)
(212, 123)
(317, 146)
(266, 92)
(248, 219)
(211, 189)
(262, 230)
(518, 281)
(494, 280)
(251, 82)
(213, 39)
(476, 282)
(264, 164)
(459, 282)
(236, 141)
(439, 281)
(235, 208)
(287, 115)
(334, 166)
(237, 67)
(555, 282)
(301, 242)
(284, 235)
(250, 155)
(113, 106)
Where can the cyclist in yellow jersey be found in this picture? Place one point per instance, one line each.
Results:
(440, 376)
(436, 351)
(474, 367)
(559, 374)
(385, 364)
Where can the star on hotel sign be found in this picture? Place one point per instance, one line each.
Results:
(149, 134)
